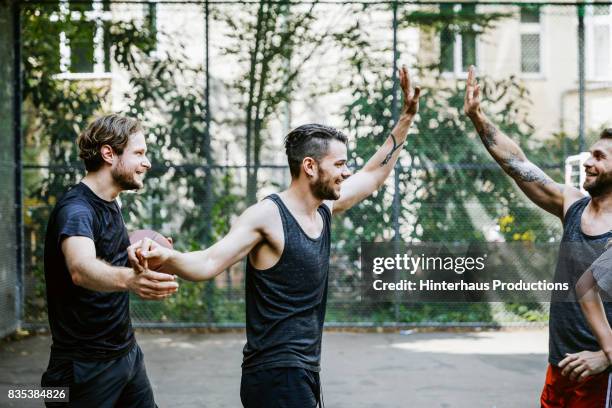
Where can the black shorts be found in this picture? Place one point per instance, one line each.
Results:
(285, 387)
(122, 382)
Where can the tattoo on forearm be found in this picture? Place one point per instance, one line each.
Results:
(526, 171)
(487, 134)
(393, 149)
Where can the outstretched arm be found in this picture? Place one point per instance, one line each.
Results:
(94, 274)
(536, 184)
(377, 169)
(246, 232)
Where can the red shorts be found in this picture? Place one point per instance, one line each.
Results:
(561, 392)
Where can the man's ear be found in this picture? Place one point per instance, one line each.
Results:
(107, 154)
(310, 166)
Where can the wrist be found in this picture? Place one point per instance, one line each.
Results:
(476, 116)
(405, 119)
(400, 131)
(171, 259)
(126, 278)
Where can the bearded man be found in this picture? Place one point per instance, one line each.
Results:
(94, 351)
(286, 239)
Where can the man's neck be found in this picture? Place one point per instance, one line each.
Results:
(301, 199)
(102, 184)
(601, 205)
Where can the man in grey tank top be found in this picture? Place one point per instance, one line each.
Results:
(286, 239)
(586, 220)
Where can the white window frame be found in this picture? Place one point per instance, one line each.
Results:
(591, 21)
(98, 16)
(533, 28)
(458, 71)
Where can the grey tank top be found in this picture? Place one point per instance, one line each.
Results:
(568, 329)
(285, 304)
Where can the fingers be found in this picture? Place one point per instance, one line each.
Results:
(575, 362)
(159, 287)
(568, 358)
(471, 79)
(146, 244)
(470, 85)
(476, 91)
(404, 83)
(406, 78)
(576, 372)
(152, 253)
(158, 276)
(133, 257)
(152, 295)
(584, 375)
(417, 93)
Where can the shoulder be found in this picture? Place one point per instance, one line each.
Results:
(326, 208)
(75, 197)
(71, 207)
(329, 205)
(571, 197)
(261, 214)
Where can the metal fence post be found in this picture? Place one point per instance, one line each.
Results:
(397, 169)
(19, 239)
(581, 77)
(208, 158)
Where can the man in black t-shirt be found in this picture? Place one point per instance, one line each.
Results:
(94, 351)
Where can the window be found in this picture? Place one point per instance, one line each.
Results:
(457, 51)
(85, 43)
(531, 41)
(598, 31)
(82, 44)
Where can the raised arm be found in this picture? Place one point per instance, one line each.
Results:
(379, 166)
(92, 273)
(246, 232)
(536, 184)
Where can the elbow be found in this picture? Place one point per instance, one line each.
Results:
(76, 275)
(77, 278)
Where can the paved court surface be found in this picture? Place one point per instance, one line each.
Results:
(360, 370)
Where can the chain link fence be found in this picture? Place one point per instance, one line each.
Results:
(219, 84)
(9, 304)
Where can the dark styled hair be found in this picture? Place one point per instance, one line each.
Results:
(311, 140)
(113, 130)
(606, 134)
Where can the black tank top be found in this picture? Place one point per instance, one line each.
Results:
(569, 331)
(285, 304)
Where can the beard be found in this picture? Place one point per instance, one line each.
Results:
(323, 188)
(600, 186)
(125, 178)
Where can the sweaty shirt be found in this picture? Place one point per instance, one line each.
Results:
(86, 324)
(285, 304)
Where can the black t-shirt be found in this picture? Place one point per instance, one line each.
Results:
(86, 324)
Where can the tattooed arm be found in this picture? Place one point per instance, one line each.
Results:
(379, 166)
(537, 185)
